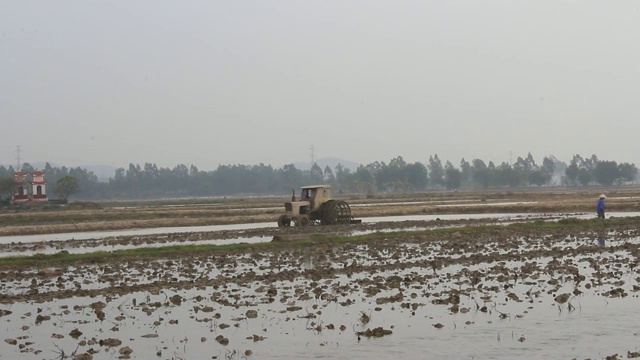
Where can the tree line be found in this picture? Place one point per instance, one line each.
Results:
(151, 181)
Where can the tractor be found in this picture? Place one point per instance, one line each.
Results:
(316, 207)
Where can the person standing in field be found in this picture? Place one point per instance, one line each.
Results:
(600, 206)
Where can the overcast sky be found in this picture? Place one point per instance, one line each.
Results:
(247, 82)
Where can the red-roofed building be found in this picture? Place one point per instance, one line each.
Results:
(38, 186)
(26, 191)
(21, 194)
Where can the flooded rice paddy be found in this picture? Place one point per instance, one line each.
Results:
(83, 242)
(495, 293)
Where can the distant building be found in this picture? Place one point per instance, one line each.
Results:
(33, 190)
(21, 194)
(38, 186)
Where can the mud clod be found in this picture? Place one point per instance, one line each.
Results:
(376, 332)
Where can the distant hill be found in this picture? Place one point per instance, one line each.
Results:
(332, 162)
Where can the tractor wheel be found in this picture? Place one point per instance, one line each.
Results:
(328, 213)
(302, 221)
(344, 212)
(335, 212)
(283, 221)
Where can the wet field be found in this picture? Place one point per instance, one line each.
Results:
(90, 241)
(402, 290)
(470, 276)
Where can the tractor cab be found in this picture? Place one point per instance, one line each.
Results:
(316, 195)
(315, 206)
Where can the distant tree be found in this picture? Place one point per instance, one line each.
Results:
(584, 176)
(606, 172)
(4, 172)
(263, 178)
(200, 184)
(328, 175)
(590, 163)
(193, 170)
(627, 172)
(481, 173)
(452, 176)
(571, 172)
(506, 176)
(291, 177)
(343, 175)
(151, 181)
(88, 180)
(559, 167)
(392, 177)
(538, 178)
(385, 177)
(7, 188)
(316, 174)
(26, 167)
(525, 166)
(436, 170)
(478, 164)
(580, 170)
(362, 181)
(548, 167)
(397, 162)
(416, 175)
(67, 186)
(376, 166)
(466, 172)
(224, 180)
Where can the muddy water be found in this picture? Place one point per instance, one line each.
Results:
(186, 229)
(76, 243)
(490, 298)
(26, 245)
(82, 242)
(95, 235)
(509, 216)
(596, 329)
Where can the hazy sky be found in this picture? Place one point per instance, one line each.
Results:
(225, 82)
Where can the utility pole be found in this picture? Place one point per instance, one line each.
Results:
(18, 157)
(313, 160)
